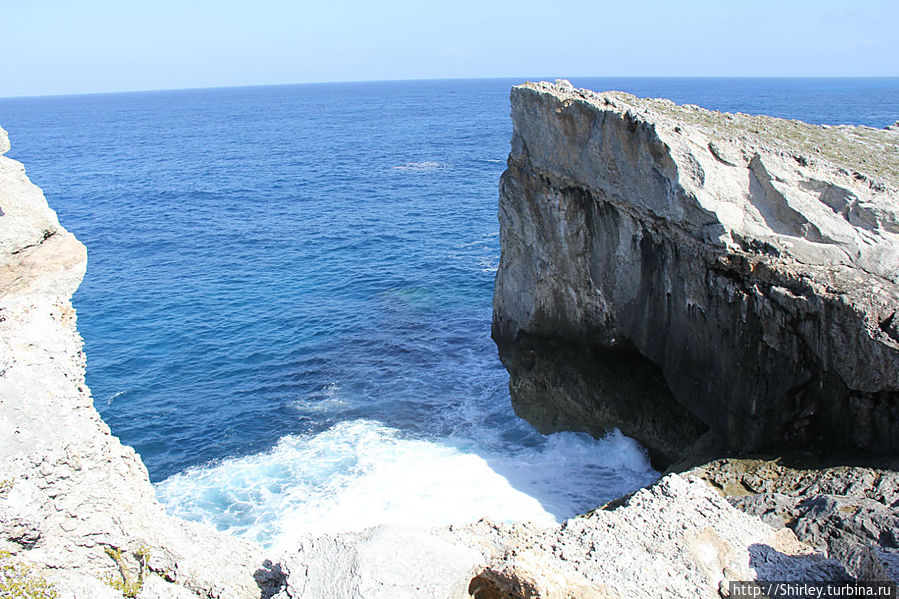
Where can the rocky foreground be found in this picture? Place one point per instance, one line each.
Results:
(605, 219)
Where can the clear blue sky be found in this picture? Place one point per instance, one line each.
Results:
(61, 46)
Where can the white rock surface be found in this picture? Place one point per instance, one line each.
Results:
(381, 563)
(677, 538)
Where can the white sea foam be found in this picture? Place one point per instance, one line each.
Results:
(421, 166)
(361, 473)
(488, 264)
(115, 396)
(327, 399)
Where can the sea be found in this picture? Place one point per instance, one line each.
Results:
(287, 303)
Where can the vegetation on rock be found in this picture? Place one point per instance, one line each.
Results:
(6, 486)
(128, 585)
(17, 580)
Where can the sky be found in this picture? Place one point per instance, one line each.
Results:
(65, 47)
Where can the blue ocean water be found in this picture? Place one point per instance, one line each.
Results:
(288, 298)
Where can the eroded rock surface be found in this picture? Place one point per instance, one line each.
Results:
(848, 513)
(677, 538)
(687, 275)
(69, 490)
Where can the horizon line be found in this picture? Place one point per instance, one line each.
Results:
(435, 79)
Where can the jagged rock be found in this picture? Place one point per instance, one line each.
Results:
(775, 509)
(822, 518)
(69, 488)
(848, 513)
(676, 538)
(726, 283)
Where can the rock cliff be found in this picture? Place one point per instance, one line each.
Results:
(70, 493)
(590, 352)
(68, 489)
(704, 282)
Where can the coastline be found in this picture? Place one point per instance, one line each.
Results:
(82, 491)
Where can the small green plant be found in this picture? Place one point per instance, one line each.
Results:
(17, 581)
(128, 585)
(6, 486)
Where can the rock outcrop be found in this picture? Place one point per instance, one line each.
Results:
(68, 489)
(637, 289)
(677, 538)
(708, 283)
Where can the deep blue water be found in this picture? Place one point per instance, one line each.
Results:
(288, 297)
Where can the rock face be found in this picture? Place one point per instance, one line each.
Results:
(697, 279)
(68, 489)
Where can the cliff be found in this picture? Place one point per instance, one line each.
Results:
(70, 490)
(71, 494)
(708, 283)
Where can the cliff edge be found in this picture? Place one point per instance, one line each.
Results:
(71, 494)
(76, 506)
(705, 282)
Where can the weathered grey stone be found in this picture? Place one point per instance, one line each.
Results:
(849, 513)
(774, 509)
(696, 279)
(676, 538)
(860, 519)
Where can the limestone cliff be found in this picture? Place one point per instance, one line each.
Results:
(683, 274)
(69, 489)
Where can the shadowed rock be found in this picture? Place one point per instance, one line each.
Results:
(705, 282)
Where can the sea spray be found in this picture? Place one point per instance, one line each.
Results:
(288, 299)
(361, 473)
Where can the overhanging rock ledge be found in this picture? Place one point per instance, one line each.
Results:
(702, 281)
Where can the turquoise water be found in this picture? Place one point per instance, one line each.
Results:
(288, 298)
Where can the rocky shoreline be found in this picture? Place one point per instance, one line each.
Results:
(77, 507)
